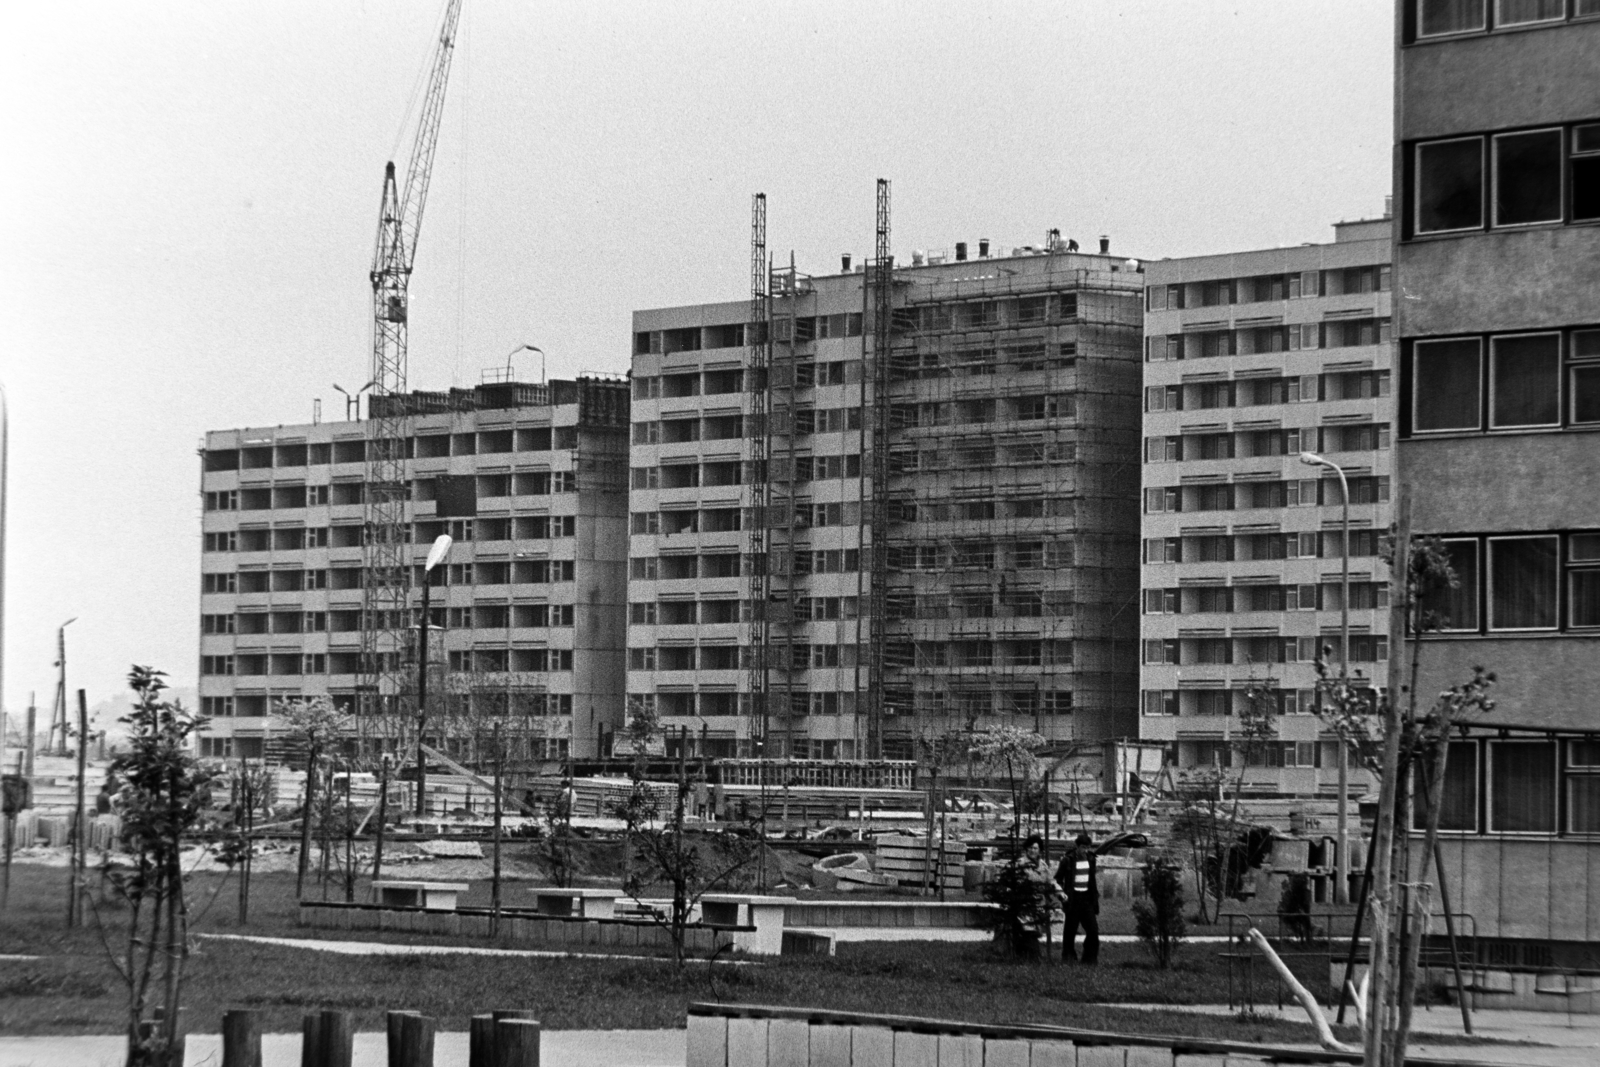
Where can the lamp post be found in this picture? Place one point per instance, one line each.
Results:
(526, 348)
(436, 555)
(352, 401)
(1341, 883)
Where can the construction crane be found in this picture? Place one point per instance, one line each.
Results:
(387, 572)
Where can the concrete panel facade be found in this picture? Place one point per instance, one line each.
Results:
(1252, 358)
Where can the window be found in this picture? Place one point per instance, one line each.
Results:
(1583, 581)
(1457, 608)
(1527, 177)
(1523, 586)
(1445, 385)
(1583, 787)
(1525, 381)
(1449, 185)
(1522, 786)
(1458, 808)
(1584, 382)
(1522, 12)
(1436, 18)
(1584, 173)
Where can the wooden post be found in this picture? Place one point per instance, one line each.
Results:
(480, 1047)
(516, 1042)
(311, 1040)
(241, 1039)
(336, 1041)
(393, 1024)
(416, 1041)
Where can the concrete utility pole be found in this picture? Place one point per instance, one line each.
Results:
(436, 555)
(1341, 869)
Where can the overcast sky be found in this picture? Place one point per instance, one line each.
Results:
(189, 195)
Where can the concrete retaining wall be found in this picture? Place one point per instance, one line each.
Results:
(1504, 989)
(886, 913)
(737, 1035)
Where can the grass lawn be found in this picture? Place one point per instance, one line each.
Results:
(72, 989)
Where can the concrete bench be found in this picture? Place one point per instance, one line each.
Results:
(765, 914)
(575, 903)
(434, 896)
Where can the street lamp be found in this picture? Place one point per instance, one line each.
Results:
(436, 555)
(1341, 884)
(353, 400)
(526, 348)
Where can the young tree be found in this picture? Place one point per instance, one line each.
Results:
(692, 865)
(1403, 745)
(1158, 919)
(164, 793)
(640, 806)
(1010, 749)
(316, 724)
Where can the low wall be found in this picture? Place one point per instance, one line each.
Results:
(522, 926)
(1499, 988)
(740, 1035)
(886, 913)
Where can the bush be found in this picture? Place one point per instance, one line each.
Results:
(1022, 910)
(1294, 909)
(1158, 919)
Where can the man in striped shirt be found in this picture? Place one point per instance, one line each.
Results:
(1076, 877)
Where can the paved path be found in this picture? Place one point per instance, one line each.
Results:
(383, 948)
(561, 1048)
(1543, 1039)
(946, 933)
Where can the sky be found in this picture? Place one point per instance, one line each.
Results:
(189, 196)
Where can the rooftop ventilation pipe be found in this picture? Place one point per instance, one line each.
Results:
(961, 251)
(844, 263)
(983, 248)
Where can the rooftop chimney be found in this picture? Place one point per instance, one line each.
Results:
(1388, 206)
(1105, 245)
(961, 251)
(983, 248)
(844, 263)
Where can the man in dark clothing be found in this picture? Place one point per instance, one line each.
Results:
(1077, 878)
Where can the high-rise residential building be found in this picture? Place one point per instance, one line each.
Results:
(1497, 253)
(526, 610)
(1253, 358)
(998, 415)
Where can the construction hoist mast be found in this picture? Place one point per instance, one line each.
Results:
(386, 585)
(882, 278)
(758, 358)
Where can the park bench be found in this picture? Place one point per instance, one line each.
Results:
(575, 903)
(764, 914)
(434, 896)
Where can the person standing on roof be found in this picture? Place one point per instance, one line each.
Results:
(1077, 877)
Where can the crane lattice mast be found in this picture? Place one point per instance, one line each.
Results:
(387, 557)
(882, 280)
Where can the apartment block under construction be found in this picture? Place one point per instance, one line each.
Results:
(877, 506)
(530, 481)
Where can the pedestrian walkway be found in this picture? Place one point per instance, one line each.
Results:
(1532, 1038)
(564, 1048)
(383, 948)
